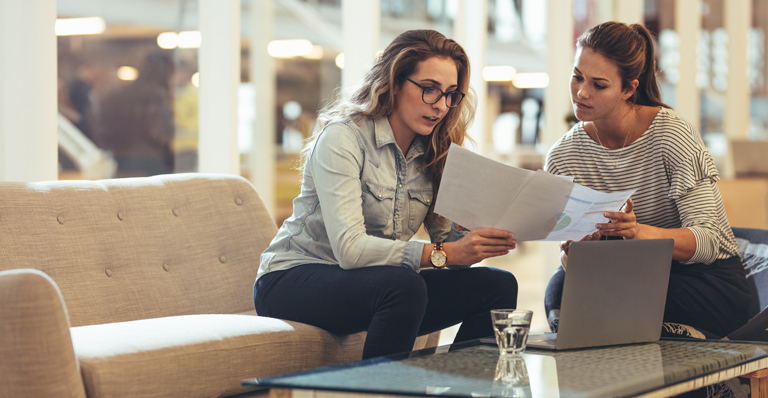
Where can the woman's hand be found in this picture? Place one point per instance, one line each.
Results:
(564, 246)
(623, 223)
(479, 244)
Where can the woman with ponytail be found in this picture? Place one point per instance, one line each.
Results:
(627, 139)
(344, 260)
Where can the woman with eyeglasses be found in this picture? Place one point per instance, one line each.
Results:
(344, 260)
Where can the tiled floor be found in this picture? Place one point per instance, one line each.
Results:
(532, 263)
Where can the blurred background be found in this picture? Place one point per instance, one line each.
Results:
(126, 88)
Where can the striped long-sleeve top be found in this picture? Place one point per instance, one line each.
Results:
(674, 175)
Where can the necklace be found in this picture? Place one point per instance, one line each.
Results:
(607, 155)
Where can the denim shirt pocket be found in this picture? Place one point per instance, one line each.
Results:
(420, 199)
(378, 207)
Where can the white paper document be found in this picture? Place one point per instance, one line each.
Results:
(477, 192)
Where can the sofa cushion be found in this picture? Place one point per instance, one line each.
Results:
(200, 355)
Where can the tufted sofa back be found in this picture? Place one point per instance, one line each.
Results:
(138, 248)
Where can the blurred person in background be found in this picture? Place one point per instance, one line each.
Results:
(135, 122)
(185, 116)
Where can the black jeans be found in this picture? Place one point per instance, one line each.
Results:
(395, 305)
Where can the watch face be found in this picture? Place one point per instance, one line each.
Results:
(438, 259)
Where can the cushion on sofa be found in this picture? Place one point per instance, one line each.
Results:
(200, 355)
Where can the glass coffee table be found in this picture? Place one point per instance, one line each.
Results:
(474, 369)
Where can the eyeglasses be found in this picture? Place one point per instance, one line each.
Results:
(431, 95)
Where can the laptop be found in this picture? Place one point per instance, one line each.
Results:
(749, 157)
(614, 293)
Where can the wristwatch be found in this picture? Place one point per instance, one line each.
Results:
(438, 258)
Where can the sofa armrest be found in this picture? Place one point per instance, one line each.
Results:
(36, 354)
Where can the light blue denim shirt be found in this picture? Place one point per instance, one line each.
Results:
(361, 201)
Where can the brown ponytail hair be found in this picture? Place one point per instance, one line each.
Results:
(631, 48)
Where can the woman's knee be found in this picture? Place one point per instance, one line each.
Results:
(507, 286)
(413, 284)
(499, 285)
(507, 281)
(554, 292)
(404, 284)
(498, 280)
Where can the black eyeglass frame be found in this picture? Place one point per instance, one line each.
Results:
(443, 94)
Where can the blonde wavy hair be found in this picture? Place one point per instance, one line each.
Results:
(374, 98)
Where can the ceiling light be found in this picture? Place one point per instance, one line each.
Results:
(340, 61)
(80, 26)
(531, 80)
(289, 48)
(127, 73)
(498, 73)
(168, 40)
(316, 53)
(196, 79)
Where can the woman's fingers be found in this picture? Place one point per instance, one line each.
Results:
(615, 226)
(493, 233)
(619, 216)
(629, 207)
(493, 237)
(483, 243)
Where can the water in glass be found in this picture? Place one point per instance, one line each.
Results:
(511, 334)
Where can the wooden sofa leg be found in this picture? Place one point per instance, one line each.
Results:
(280, 393)
(758, 382)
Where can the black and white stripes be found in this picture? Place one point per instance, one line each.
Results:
(671, 170)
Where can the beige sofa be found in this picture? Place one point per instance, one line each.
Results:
(142, 287)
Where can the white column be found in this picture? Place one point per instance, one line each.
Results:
(557, 102)
(687, 25)
(471, 31)
(261, 163)
(560, 44)
(628, 11)
(361, 20)
(493, 110)
(28, 91)
(738, 21)
(219, 64)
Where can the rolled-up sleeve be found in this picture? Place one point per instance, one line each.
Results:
(335, 164)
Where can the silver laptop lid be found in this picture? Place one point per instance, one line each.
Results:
(614, 292)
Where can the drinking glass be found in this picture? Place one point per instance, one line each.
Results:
(511, 328)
